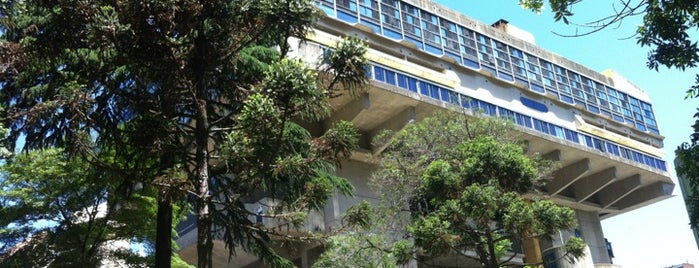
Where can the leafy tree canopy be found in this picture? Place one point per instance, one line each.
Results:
(188, 100)
(59, 212)
(448, 185)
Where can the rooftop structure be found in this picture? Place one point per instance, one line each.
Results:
(425, 57)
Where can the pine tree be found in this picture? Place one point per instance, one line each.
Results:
(169, 84)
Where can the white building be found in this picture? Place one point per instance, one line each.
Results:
(425, 57)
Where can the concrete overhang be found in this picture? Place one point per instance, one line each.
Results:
(600, 182)
(586, 179)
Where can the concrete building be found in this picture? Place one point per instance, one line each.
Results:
(425, 57)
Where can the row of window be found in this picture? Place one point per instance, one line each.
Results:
(431, 33)
(445, 94)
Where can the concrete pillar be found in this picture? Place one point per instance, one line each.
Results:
(591, 231)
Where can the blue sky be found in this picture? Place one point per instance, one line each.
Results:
(653, 236)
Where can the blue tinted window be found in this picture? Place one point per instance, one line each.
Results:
(660, 164)
(379, 74)
(402, 82)
(524, 120)
(648, 160)
(474, 105)
(444, 94)
(566, 98)
(571, 136)
(505, 76)
(641, 126)
(556, 131)
(618, 118)
(457, 58)
(612, 148)
(540, 126)
(588, 141)
(433, 50)
(424, 88)
(593, 109)
(598, 144)
(537, 88)
(391, 77)
(465, 102)
(434, 91)
(328, 10)
(505, 113)
(653, 130)
(471, 63)
(625, 153)
(347, 17)
(392, 34)
(412, 84)
(371, 25)
(488, 108)
(418, 43)
(636, 156)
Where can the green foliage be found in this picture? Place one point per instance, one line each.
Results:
(688, 169)
(360, 215)
(445, 139)
(151, 93)
(356, 250)
(292, 86)
(61, 212)
(347, 65)
(464, 190)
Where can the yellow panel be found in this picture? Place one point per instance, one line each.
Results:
(584, 127)
(389, 61)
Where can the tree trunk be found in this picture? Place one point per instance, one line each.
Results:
(204, 221)
(201, 135)
(493, 261)
(163, 235)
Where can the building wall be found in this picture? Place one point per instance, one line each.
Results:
(358, 174)
(489, 85)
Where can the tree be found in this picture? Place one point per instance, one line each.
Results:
(166, 85)
(60, 212)
(667, 29)
(451, 186)
(688, 168)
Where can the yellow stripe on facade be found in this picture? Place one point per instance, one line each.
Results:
(595, 131)
(391, 62)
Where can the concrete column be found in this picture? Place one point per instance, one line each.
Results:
(591, 231)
